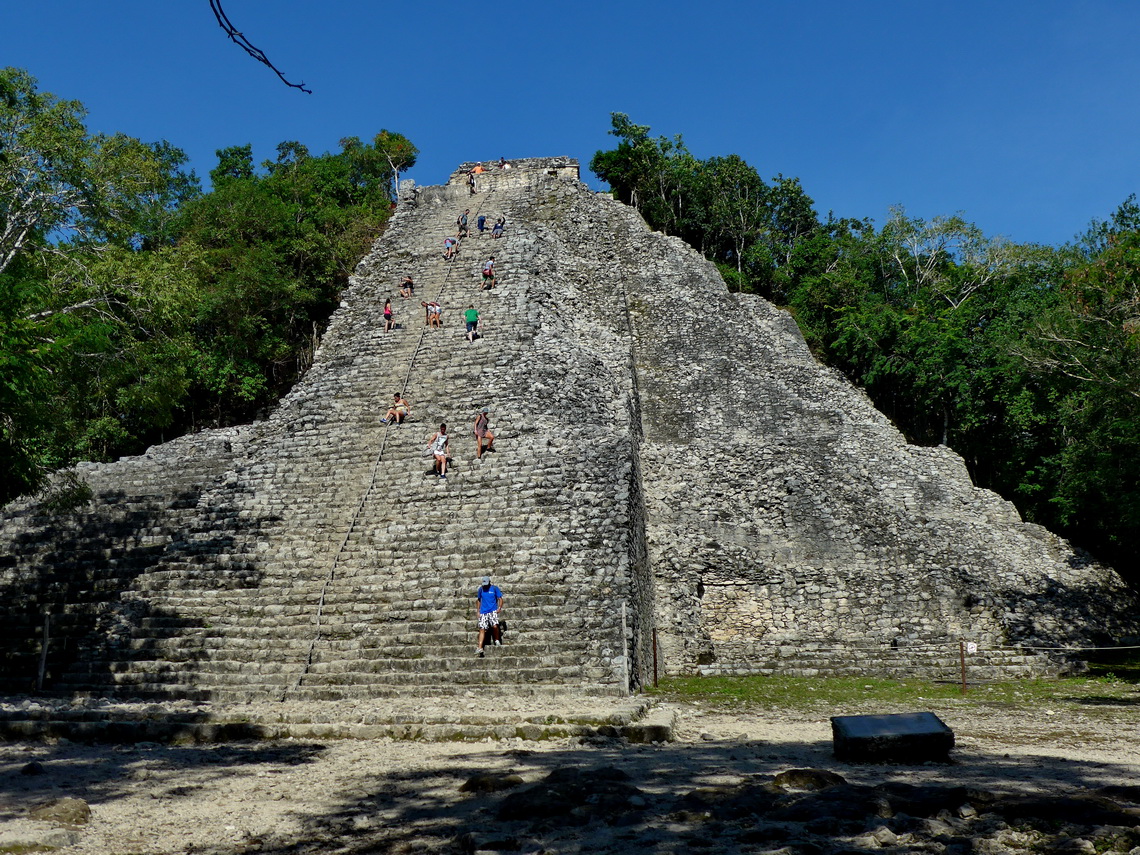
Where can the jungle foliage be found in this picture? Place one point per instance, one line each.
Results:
(134, 306)
(1024, 359)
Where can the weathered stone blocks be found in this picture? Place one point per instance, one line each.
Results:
(663, 443)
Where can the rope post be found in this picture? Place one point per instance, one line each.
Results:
(962, 658)
(43, 653)
(624, 650)
(655, 657)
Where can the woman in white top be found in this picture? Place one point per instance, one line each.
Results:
(438, 447)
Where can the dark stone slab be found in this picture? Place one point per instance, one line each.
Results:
(898, 738)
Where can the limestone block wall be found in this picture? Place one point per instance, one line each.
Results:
(72, 566)
(787, 517)
(528, 173)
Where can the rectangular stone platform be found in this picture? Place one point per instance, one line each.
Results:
(444, 719)
(899, 738)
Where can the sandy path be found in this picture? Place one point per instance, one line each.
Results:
(357, 796)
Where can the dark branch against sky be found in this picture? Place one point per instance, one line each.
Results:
(244, 43)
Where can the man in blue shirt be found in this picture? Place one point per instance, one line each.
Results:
(490, 600)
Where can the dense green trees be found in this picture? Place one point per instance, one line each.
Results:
(722, 206)
(1087, 349)
(73, 205)
(1024, 359)
(133, 306)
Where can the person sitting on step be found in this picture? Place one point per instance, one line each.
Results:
(437, 445)
(500, 224)
(407, 287)
(398, 411)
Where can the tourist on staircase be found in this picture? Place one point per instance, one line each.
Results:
(490, 600)
(449, 244)
(407, 287)
(500, 224)
(488, 274)
(461, 222)
(483, 433)
(398, 411)
(389, 321)
(438, 446)
(481, 223)
(471, 316)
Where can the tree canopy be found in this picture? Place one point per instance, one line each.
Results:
(134, 306)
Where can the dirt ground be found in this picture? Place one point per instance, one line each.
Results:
(387, 796)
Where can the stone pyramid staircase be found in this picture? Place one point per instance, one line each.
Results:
(329, 563)
(671, 464)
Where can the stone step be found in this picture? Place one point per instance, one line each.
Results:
(290, 602)
(341, 688)
(452, 663)
(901, 664)
(549, 712)
(419, 616)
(401, 645)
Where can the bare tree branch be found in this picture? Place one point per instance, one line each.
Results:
(241, 41)
(93, 303)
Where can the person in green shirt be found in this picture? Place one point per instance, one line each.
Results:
(472, 318)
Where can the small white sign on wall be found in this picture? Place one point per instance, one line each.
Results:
(971, 647)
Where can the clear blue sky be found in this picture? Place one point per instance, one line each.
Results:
(1022, 114)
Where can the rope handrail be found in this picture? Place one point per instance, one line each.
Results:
(811, 647)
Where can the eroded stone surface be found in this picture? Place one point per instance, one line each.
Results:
(34, 837)
(662, 444)
(66, 810)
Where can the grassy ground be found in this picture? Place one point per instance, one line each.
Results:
(1107, 689)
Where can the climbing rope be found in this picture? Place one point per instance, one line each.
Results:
(367, 490)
